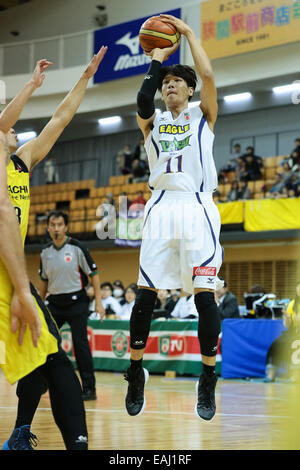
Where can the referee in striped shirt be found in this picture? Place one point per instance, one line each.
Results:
(65, 266)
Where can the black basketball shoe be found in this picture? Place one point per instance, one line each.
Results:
(206, 406)
(135, 400)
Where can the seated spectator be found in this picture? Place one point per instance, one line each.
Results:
(137, 206)
(240, 169)
(231, 164)
(297, 191)
(250, 151)
(245, 192)
(295, 154)
(130, 295)
(277, 189)
(118, 291)
(252, 167)
(185, 308)
(139, 199)
(124, 160)
(141, 154)
(111, 305)
(217, 197)
(227, 303)
(234, 192)
(164, 305)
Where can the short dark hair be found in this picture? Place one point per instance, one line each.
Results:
(106, 284)
(57, 214)
(183, 71)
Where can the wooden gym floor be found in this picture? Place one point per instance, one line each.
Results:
(250, 415)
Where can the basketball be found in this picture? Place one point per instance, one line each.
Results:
(156, 33)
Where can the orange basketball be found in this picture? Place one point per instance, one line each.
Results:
(156, 33)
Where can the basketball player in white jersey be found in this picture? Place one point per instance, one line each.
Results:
(180, 247)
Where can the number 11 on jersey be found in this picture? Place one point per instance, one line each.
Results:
(179, 165)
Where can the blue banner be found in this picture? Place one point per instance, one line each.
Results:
(125, 56)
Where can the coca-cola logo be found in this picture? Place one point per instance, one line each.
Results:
(204, 271)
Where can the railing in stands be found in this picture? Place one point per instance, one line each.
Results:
(65, 51)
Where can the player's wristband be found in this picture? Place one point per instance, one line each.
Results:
(145, 97)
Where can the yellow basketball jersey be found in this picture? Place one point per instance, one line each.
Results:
(18, 361)
(18, 189)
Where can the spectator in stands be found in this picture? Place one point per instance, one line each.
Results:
(277, 190)
(51, 171)
(227, 303)
(231, 164)
(139, 200)
(130, 295)
(234, 192)
(111, 305)
(245, 192)
(118, 291)
(294, 159)
(295, 154)
(141, 154)
(240, 170)
(139, 173)
(185, 308)
(250, 151)
(297, 190)
(175, 295)
(253, 165)
(164, 304)
(124, 160)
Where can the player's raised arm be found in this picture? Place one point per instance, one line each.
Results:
(35, 150)
(12, 255)
(11, 113)
(146, 94)
(208, 93)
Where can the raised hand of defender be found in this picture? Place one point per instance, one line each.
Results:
(23, 312)
(38, 75)
(180, 25)
(95, 62)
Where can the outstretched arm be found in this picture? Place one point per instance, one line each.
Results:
(208, 93)
(11, 113)
(23, 310)
(35, 150)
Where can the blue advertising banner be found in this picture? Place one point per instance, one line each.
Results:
(125, 56)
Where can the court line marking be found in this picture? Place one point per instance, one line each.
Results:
(168, 413)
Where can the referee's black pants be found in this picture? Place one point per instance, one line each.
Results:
(75, 313)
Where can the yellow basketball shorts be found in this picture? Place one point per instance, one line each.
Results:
(18, 361)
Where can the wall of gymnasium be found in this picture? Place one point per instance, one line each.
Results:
(274, 265)
(35, 20)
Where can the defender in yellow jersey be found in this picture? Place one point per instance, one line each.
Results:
(20, 360)
(56, 373)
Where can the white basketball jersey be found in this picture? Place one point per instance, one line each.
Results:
(180, 153)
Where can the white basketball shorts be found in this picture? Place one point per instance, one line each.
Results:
(180, 246)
